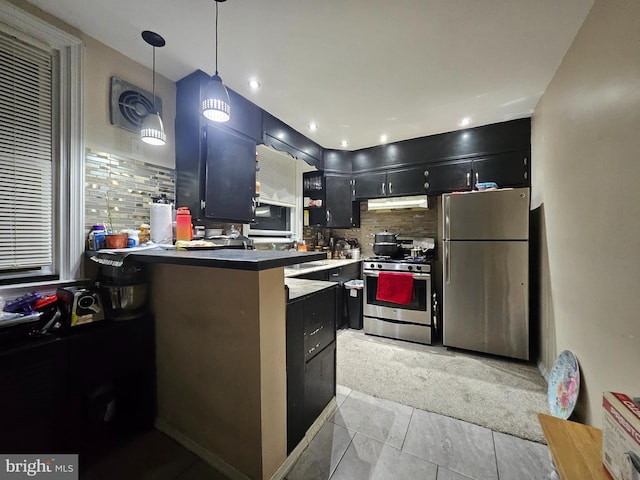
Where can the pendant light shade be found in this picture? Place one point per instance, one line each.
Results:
(152, 130)
(215, 98)
(215, 104)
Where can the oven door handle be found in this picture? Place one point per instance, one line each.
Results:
(415, 275)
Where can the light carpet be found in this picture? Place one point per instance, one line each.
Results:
(492, 392)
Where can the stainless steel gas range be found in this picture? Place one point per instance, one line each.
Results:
(412, 318)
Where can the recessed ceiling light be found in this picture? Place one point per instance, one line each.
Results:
(344, 143)
(465, 121)
(383, 138)
(313, 126)
(254, 83)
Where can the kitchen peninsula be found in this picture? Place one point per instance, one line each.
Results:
(221, 354)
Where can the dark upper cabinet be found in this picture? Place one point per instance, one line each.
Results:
(333, 191)
(506, 170)
(445, 162)
(447, 177)
(369, 185)
(215, 163)
(246, 117)
(282, 137)
(230, 176)
(514, 135)
(339, 204)
(392, 183)
(406, 181)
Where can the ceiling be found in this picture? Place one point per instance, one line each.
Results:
(358, 68)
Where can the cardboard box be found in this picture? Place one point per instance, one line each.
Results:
(621, 436)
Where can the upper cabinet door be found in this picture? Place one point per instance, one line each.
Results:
(230, 182)
(507, 169)
(406, 181)
(339, 205)
(370, 185)
(447, 177)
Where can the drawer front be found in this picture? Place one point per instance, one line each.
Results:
(319, 323)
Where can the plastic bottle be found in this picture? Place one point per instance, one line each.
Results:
(97, 239)
(183, 224)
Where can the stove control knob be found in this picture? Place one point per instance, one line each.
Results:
(418, 267)
(379, 266)
(372, 266)
(409, 268)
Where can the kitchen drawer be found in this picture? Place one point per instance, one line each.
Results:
(319, 322)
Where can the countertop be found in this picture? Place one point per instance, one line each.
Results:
(300, 288)
(316, 266)
(238, 259)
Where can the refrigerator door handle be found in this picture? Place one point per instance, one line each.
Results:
(447, 263)
(447, 219)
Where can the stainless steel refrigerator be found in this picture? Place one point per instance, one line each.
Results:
(485, 266)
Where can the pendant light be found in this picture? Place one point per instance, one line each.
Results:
(152, 130)
(215, 99)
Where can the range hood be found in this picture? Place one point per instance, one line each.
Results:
(398, 203)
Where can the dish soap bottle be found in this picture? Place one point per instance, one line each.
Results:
(183, 224)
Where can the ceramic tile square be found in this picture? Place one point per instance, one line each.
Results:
(321, 457)
(456, 445)
(367, 458)
(521, 459)
(380, 419)
(342, 393)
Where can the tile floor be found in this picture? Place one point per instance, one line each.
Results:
(367, 438)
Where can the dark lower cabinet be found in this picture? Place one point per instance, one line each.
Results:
(341, 275)
(77, 392)
(311, 377)
(33, 393)
(319, 383)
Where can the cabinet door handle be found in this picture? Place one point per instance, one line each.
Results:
(477, 178)
(390, 188)
(426, 185)
(327, 215)
(468, 179)
(313, 348)
(383, 189)
(426, 173)
(354, 187)
(316, 330)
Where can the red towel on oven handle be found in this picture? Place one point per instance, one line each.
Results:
(395, 287)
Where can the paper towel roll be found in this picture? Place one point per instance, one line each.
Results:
(161, 228)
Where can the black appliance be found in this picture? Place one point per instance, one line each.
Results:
(124, 290)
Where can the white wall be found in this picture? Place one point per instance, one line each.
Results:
(586, 178)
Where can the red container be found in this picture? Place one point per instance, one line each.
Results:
(183, 224)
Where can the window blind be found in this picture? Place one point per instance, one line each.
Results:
(26, 191)
(277, 177)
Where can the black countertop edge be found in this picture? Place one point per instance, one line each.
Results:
(237, 259)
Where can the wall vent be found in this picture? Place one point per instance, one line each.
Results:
(130, 105)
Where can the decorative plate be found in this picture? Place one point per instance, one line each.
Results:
(564, 385)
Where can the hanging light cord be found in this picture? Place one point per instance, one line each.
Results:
(216, 2)
(153, 82)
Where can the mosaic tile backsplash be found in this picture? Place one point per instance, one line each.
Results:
(130, 185)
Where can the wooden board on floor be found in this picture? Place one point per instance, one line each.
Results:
(576, 448)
